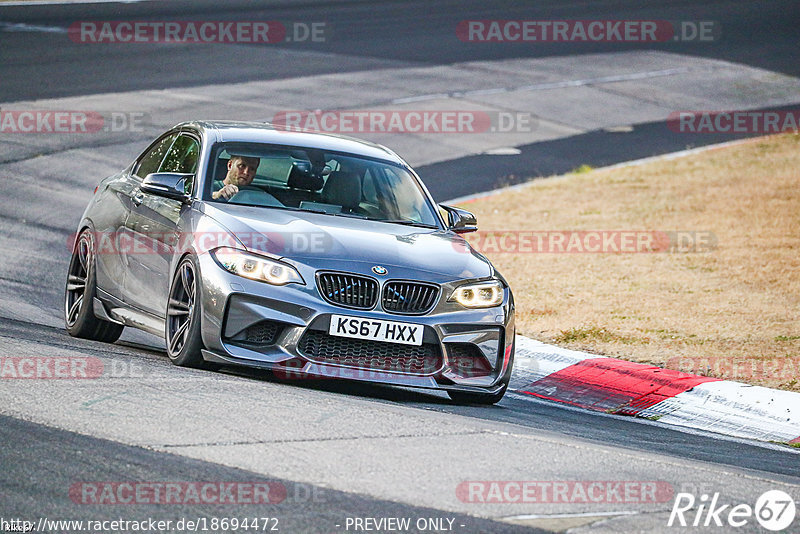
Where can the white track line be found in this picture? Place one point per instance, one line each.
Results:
(67, 2)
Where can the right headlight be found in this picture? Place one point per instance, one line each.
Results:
(256, 267)
(479, 294)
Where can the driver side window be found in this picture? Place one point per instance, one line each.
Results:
(182, 157)
(150, 162)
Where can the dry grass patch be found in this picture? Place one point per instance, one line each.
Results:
(733, 312)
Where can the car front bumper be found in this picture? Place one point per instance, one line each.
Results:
(285, 329)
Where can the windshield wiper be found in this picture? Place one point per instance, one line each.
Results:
(334, 213)
(406, 222)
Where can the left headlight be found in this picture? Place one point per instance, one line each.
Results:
(479, 295)
(256, 267)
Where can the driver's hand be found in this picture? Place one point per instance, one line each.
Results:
(226, 192)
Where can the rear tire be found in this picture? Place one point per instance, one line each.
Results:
(79, 295)
(182, 334)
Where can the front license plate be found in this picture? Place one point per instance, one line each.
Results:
(376, 330)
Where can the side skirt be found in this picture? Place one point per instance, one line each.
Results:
(112, 309)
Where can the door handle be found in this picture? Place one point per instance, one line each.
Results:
(138, 198)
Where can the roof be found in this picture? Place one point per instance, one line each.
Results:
(264, 132)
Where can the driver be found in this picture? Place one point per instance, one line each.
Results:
(241, 171)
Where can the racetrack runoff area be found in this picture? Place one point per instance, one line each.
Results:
(688, 263)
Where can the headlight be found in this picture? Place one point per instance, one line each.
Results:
(479, 295)
(256, 267)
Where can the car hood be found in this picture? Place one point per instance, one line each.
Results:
(348, 243)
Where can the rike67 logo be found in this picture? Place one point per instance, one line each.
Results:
(774, 510)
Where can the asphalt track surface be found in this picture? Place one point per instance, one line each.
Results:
(365, 35)
(57, 458)
(597, 148)
(369, 451)
(36, 65)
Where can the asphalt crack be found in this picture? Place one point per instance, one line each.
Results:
(322, 440)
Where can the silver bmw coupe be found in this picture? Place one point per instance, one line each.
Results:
(310, 255)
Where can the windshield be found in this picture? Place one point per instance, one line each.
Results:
(314, 180)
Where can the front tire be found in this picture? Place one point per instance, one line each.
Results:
(183, 317)
(79, 295)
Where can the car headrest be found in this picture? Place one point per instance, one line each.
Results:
(343, 189)
(303, 179)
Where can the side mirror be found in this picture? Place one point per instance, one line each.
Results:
(167, 184)
(460, 221)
